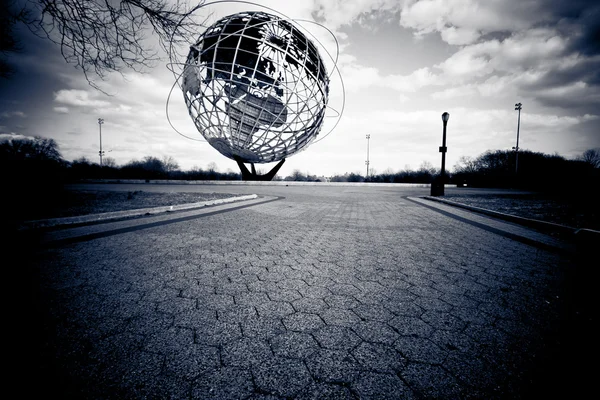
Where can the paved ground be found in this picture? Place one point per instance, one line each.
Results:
(326, 293)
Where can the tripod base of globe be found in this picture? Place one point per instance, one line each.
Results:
(252, 175)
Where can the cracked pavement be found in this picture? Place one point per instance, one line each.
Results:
(329, 293)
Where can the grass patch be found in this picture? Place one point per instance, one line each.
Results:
(575, 212)
(71, 203)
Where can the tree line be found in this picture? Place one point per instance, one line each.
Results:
(39, 160)
(531, 171)
(148, 168)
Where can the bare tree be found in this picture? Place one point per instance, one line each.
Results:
(465, 164)
(109, 162)
(427, 167)
(592, 157)
(170, 165)
(297, 175)
(32, 149)
(103, 36)
(212, 166)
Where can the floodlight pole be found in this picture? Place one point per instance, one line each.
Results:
(367, 162)
(517, 107)
(100, 122)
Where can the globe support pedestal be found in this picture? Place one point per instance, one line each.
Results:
(253, 176)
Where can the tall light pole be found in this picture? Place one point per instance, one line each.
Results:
(517, 107)
(101, 153)
(367, 162)
(437, 188)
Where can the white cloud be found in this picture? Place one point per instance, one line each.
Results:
(464, 21)
(468, 63)
(337, 13)
(414, 81)
(359, 77)
(451, 93)
(80, 98)
(459, 36)
(61, 110)
(542, 121)
(8, 137)
(523, 59)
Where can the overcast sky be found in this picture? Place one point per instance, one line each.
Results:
(403, 64)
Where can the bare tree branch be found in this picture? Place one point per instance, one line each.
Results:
(10, 15)
(104, 36)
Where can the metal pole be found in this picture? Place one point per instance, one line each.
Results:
(367, 162)
(443, 172)
(437, 186)
(100, 122)
(517, 107)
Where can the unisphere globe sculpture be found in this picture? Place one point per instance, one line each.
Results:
(256, 87)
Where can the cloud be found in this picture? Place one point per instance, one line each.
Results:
(79, 98)
(358, 77)
(462, 21)
(531, 49)
(541, 121)
(61, 110)
(9, 137)
(588, 35)
(576, 95)
(459, 36)
(451, 93)
(537, 64)
(10, 114)
(336, 13)
(536, 48)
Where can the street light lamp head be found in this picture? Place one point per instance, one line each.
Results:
(100, 121)
(445, 117)
(518, 106)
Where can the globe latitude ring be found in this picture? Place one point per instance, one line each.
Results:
(256, 87)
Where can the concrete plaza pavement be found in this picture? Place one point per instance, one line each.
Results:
(322, 292)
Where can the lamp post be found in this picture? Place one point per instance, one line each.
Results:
(367, 162)
(437, 188)
(516, 148)
(101, 153)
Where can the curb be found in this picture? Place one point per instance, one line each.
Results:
(588, 240)
(119, 215)
(531, 223)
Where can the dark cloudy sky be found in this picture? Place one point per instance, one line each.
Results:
(403, 64)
